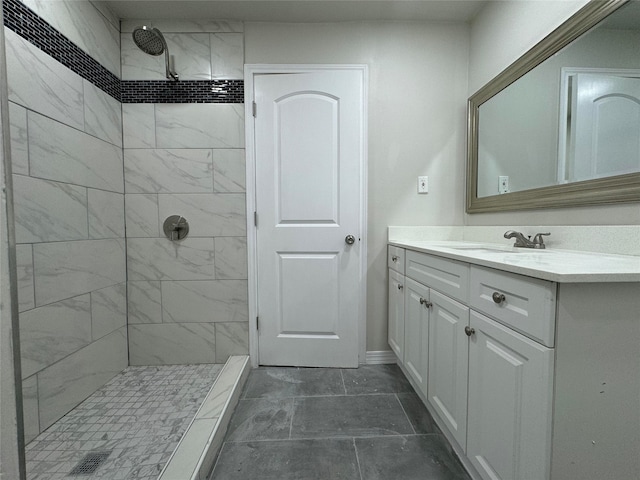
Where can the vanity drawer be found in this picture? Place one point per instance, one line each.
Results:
(447, 276)
(525, 304)
(395, 258)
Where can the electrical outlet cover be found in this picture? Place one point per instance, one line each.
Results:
(423, 184)
(503, 184)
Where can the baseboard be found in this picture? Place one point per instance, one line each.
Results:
(380, 357)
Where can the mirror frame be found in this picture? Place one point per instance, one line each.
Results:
(609, 190)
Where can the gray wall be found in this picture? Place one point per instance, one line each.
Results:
(500, 33)
(417, 95)
(66, 140)
(187, 300)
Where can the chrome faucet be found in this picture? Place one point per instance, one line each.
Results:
(526, 242)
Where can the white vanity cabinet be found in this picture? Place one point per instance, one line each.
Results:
(416, 333)
(396, 313)
(528, 361)
(408, 330)
(395, 262)
(487, 384)
(510, 393)
(446, 282)
(448, 363)
(510, 374)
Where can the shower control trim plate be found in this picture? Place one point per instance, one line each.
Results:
(175, 228)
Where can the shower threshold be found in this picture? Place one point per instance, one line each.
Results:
(147, 423)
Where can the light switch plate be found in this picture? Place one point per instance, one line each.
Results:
(423, 184)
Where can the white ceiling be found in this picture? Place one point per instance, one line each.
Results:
(311, 11)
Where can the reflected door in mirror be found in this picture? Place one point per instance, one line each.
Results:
(603, 127)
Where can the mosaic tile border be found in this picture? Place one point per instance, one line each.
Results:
(183, 91)
(30, 26)
(33, 28)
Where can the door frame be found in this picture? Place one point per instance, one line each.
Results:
(250, 72)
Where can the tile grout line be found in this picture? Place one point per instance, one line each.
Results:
(355, 448)
(346, 437)
(245, 388)
(293, 412)
(405, 413)
(213, 469)
(293, 400)
(380, 394)
(344, 385)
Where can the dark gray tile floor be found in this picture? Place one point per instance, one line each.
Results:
(333, 424)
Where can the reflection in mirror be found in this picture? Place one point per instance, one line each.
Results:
(523, 136)
(599, 123)
(572, 119)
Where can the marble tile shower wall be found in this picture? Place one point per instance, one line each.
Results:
(187, 300)
(66, 139)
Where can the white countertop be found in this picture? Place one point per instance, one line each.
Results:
(565, 266)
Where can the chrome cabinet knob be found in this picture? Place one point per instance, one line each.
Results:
(400, 287)
(469, 331)
(395, 258)
(498, 297)
(350, 239)
(425, 302)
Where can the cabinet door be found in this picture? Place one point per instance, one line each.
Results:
(510, 398)
(396, 313)
(449, 363)
(416, 332)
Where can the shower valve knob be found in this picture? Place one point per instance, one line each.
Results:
(175, 227)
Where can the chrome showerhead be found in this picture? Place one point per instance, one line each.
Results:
(149, 40)
(152, 42)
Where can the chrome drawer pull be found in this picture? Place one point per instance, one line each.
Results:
(395, 258)
(498, 297)
(469, 331)
(400, 286)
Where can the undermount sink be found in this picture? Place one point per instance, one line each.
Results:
(485, 248)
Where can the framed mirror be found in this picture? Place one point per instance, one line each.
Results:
(561, 125)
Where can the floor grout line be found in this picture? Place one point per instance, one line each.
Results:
(406, 414)
(329, 440)
(355, 448)
(345, 437)
(344, 385)
(376, 394)
(293, 412)
(213, 469)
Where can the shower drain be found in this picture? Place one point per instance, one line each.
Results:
(90, 463)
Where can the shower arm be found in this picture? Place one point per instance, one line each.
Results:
(170, 74)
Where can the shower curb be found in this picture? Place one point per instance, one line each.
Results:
(196, 453)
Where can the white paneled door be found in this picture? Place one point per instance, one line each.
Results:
(309, 149)
(606, 113)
